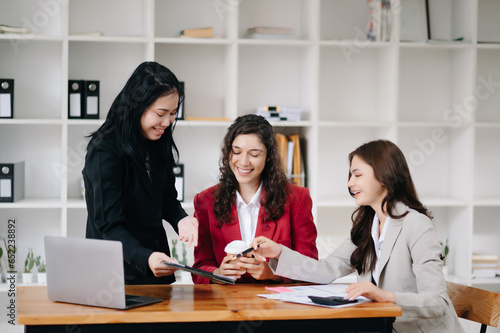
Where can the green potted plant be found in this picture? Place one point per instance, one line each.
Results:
(180, 275)
(444, 254)
(29, 263)
(42, 270)
(181, 260)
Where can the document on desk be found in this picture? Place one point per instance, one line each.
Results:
(300, 294)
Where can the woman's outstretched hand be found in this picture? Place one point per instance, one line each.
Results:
(157, 266)
(188, 230)
(265, 248)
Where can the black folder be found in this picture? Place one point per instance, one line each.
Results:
(180, 111)
(83, 99)
(76, 102)
(11, 181)
(6, 98)
(91, 93)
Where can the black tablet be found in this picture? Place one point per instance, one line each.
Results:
(200, 272)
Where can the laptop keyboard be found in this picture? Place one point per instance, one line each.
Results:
(132, 299)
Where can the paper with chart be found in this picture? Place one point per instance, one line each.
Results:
(300, 294)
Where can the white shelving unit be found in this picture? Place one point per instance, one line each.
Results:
(433, 100)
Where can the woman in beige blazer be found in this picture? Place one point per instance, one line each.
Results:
(393, 248)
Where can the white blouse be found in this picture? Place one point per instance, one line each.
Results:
(378, 240)
(248, 215)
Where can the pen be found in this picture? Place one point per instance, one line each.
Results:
(247, 250)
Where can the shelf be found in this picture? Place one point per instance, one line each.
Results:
(85, 122)
(17, 121)
(30, 203)
(432, 99)
(203, 123)
(487, 201)
(109, 39)
(226, 124)
(426, 201)
(478, 282)
(80, 204)
(194, 41)
(30, 37)
(486, 46)
(488, 125)
(355, 44)
(76, 203)
(274, 42)
(443, 202)
(327, 124)
(436, 45)
(434, 124)
(291, 123)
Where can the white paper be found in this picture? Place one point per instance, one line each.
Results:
(5, 105)
(179, 187)
(75, 105)
(299, 294)
(92, 105)
(5, 188)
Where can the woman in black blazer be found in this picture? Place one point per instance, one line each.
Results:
(128, 175)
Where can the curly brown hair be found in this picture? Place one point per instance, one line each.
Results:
(274, 181)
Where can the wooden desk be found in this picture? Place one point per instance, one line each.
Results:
(209, 308)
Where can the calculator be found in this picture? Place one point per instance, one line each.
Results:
(331, 300)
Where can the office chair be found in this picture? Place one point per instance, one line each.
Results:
(475, 304)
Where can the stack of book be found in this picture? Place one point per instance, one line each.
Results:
(291, 149)
(13, 30)
(379, 21)
(207, 32)
(485, 265)
(279, 113)
(270, 33)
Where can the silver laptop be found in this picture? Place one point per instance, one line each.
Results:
(88, 272)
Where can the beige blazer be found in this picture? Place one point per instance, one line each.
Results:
(410, 267)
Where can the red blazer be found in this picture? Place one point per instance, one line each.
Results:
(294, 229)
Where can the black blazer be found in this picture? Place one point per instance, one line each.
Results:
(124, 204)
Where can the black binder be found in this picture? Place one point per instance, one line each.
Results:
(6, 98)
(180, 111)
(75, 99)
(179, 181)
(11, 181)
(91, 93)
(83, 99)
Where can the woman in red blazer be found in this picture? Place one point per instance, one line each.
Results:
(253, 198)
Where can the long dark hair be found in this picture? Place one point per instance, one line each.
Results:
(273, 178)
(391, 170)
(149, 81)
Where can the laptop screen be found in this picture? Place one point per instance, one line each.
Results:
(85, 271)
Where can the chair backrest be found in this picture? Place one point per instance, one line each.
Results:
(479, 305)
